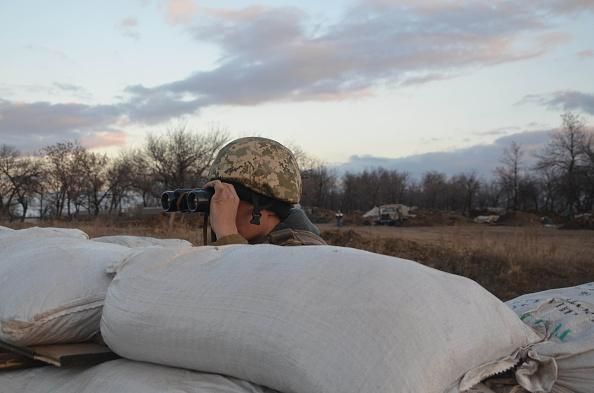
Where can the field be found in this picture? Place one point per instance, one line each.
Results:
(508, 261)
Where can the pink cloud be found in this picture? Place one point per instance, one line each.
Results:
(585, 54)
(104, 139)
(180, 11)
(236, 15)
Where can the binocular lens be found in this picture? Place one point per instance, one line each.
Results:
(168, 201)
(184, 200)
(199, 200)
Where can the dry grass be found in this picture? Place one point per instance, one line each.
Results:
(508, 261)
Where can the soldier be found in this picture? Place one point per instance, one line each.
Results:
(257, 184)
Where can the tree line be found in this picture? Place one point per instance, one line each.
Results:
(561, 181)
(65, 179)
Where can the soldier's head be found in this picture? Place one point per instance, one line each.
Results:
(265, 175)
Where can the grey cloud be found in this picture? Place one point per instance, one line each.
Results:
(74, 90)
(563, 100)
(480, 158)
(29, 126)
(420, 79)
(68, 87)
(158, 106)
(497, 131)
(271, 54)
(129, 22)
(57, 88)
(129, 27)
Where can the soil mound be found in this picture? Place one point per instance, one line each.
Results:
(520, 219)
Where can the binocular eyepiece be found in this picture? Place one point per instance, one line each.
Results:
(190, 200)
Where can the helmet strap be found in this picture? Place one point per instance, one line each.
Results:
(256, 214)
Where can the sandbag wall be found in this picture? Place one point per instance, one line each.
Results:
(307, 319)
(53, 283)
(316, 319)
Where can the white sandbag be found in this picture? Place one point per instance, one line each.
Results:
(121, 376)
(39, 232)
(52, 288)
(142, 241)
(5, 230)
(37, 380)
(564, 362)
(307, 319)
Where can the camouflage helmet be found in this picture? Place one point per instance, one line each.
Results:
(262, 165)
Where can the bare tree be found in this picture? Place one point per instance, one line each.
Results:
(587, 150)
(95, 184)
(21, 179)
(467, 185)
(564, 158)
(319, 186)
(434, 187)
(510, 174)
(181, 157)
(65, 176)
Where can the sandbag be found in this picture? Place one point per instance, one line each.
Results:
(5, 230)
(39, 232)
(564, 361)
(142, 241)
(52, 287)
(307, 319)
(120, 376)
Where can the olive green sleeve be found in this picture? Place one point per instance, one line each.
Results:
(230, 239)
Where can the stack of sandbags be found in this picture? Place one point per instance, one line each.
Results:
(52, 284)
(121, 376)
(309, 319)
(564, 361)
(143, 241)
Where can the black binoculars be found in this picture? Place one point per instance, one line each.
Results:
(187, 200)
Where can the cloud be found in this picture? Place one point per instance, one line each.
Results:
(74, 90)
(276, 54)
(29, 126)
(180, 11)
(482, 158)
(497, 131)
(585, 54)
(129, 27)
(568, 100)
(55, 89)
(98, 139)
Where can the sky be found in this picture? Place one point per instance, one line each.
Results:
(439, 84)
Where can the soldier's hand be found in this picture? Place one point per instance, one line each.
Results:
(223, 208)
